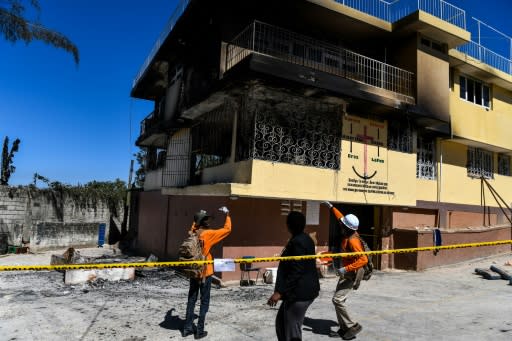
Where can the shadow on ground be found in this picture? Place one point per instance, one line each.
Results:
(172, 322)
(319, 326)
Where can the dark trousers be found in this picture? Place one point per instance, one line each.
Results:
(289, 320)
(196, 286)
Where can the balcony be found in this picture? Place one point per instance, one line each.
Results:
(395, 10)
(151, 132)
(289, 47)
(484, 55)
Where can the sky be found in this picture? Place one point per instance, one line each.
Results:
(78, 124)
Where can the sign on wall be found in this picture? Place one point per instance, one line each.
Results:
(364, 157)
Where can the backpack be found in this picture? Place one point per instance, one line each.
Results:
(368, 268)
(192, 250)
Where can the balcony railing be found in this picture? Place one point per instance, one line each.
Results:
(392, 11)
(147, 123)
(486, 56)
(180, 9)
(294, 48)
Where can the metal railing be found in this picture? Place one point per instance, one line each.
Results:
(486, 56)
(180, 9)
(392, 11)
(146, 123)
(298, 49)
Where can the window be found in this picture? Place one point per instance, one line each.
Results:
(425, 162)
(400, 137)
(503, 164)
(474, 91)
(480, 163)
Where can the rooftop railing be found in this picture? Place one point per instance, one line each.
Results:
(392, 11)
(486, 56)
(180, 9)
(298, 49)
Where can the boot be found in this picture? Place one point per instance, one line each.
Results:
(352, 332)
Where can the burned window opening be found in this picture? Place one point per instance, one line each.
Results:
(400, 137)
(290, 132)
(211, 138)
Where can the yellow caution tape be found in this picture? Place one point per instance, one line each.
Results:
(242, 260)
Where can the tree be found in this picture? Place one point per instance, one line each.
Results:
(140, 173)
(7, 167)
(14, 26)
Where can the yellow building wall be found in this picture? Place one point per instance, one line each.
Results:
(457, 187)
(476, 123)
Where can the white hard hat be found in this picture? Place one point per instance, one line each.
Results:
(350, 221)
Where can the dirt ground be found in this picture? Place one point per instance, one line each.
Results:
(448, 303)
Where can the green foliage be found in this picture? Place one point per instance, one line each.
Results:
(140, 173)
(15, 26)
(7, 168)
(113, 193)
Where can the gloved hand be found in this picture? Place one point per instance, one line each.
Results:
(328, 204)
(342, 271)
(224, 210)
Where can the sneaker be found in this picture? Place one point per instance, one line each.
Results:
(338, 333)
(200, 335)
(352, 332)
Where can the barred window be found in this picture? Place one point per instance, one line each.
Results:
(400, 137)
(503, 164)
(426, 159)
(294, 131)
(480, 163)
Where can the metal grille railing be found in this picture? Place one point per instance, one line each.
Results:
(176, 172)
(426, 162)
(392, 11)
(302, 50)
(180, 9)
(486, 56)
(146, 123)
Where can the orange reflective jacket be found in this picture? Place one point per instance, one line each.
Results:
(351, 244)
(211, 237)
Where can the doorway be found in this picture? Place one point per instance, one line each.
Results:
(365, 213)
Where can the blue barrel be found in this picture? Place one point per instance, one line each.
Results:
(101, 234)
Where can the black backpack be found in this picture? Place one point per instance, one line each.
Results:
(192, 250)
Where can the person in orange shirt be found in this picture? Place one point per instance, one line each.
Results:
(351, 271)
(208, 238)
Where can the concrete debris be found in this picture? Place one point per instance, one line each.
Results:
(71, 256)
(152, 258)
(508, 263)
(82, 276)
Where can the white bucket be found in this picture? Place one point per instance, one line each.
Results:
(270, 275)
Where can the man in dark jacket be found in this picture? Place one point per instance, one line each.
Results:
(297, 282)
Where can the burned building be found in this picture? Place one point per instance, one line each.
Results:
(389, 110)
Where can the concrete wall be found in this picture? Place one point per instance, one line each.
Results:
(32, 217)
(259, 226)
(406, 238)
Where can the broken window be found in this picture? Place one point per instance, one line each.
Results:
(400, 137)
(480, 163)
(211, 138)
(426, 161)
(307, 134)
(503, 164)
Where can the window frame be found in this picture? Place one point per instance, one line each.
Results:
(469, 85)
(503, 160)
(480, 162)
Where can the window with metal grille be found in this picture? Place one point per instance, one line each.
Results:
(211, 138)
(480, 163)
(426, 159)
(503, 164)
(475, 92)
(400, 137)
(295, 131)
